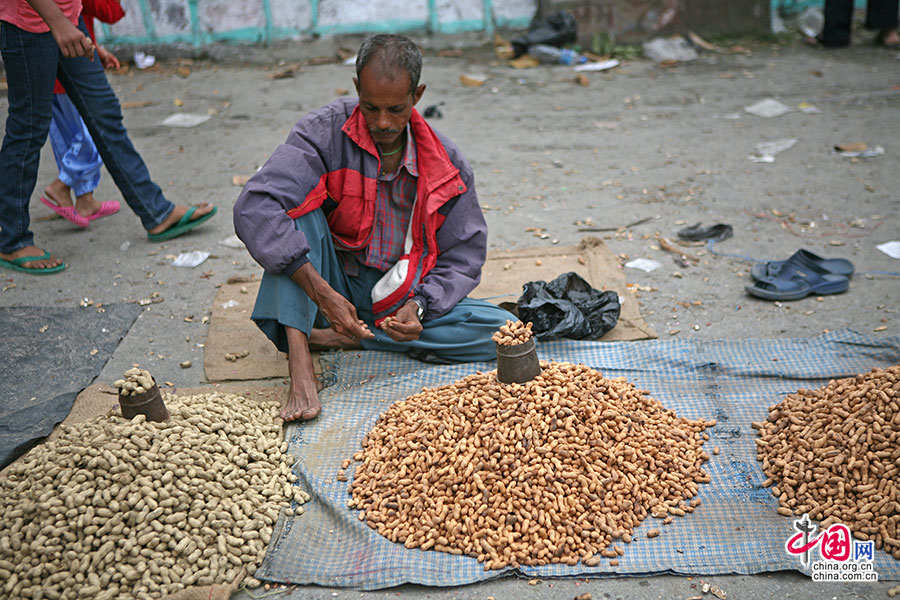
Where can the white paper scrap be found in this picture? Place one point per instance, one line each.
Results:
(892, 249)
(190, 259)
(868, 153)
(597, 66)
(766, 151)
(644, 264)
(232, 242)
(768, 108)
(185, 120)
(144, 61)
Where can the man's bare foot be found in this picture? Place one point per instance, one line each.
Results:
(46, 263)
(303, 395)
(303, 401)
(329, 339)
(203, 208)
(890, 38)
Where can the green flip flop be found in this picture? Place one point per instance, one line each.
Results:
(182, 226)
(18, 264)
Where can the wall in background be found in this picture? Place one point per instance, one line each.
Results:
(200, 22)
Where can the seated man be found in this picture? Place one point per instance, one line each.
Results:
(368, 218)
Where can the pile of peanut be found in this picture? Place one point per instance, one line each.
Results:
(834, 453)
(113, 508)
(512, 334)
(549, 471)
(136, 382)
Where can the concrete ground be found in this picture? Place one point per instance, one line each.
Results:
(638, 142)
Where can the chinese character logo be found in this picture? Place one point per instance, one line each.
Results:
(840, 557)
(800, 542)
(834, 544)
(864, 550)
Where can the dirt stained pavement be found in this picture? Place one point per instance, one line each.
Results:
(552, 158)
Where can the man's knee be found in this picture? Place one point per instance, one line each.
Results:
(487, 314)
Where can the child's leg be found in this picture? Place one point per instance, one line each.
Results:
(76, 155)
(90, 92)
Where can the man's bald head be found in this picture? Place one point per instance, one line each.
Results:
(392, 56)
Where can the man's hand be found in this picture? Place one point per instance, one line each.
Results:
(405, 325)
(107, 58)
(342, 315)
(339, 311)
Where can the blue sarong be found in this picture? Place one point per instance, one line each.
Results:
(461, 335)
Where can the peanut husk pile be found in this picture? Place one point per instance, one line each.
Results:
(116, 508)
(550, 471)
(834, 453)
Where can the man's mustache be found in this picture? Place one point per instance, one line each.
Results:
(384, 131)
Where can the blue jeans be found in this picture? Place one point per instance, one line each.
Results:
(33, 61)
(461, 335)
(75, 153)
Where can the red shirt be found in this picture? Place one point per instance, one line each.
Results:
(20, 14)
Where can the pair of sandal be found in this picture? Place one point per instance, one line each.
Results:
(804, 273)
(111, 207)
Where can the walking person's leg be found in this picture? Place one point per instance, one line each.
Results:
(30, 61)
(838, 22)
(881, 15)
(78, 162)
(89, 90)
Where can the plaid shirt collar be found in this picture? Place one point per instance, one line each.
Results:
(409, 156)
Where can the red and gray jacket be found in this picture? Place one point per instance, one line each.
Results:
(329, 161)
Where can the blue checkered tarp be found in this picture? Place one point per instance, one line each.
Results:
(735, 530)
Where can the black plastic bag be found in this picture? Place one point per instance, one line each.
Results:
(568, 307)
(557, 30)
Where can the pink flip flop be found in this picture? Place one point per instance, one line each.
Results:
(68, 213)
(110, 207)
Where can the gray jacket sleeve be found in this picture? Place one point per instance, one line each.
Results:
(283, 183)
(462, 242)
